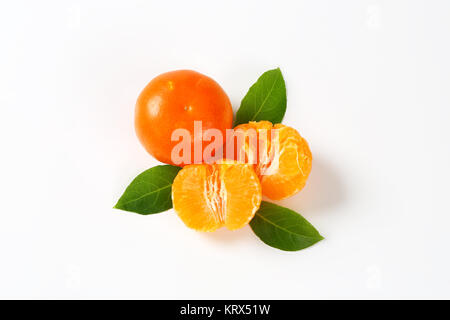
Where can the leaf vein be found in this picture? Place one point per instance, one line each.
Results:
(284, 229)
(265, 100)
(147, 194)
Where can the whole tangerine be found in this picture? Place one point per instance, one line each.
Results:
(174, 100)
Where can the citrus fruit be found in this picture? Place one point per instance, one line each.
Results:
(209, 196)
(174, 100)
(287, 158)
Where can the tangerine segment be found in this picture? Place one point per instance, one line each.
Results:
(189, 198)
(207, 197)
(287, 159)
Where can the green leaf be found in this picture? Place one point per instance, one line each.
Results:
(265, 100)
(283, 228)
(150, 192)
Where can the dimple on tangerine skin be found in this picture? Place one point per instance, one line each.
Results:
(174, 100)
(288, 176)
(207, 197)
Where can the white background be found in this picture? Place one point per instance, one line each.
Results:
(368, 87)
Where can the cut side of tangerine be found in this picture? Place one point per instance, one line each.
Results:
(283, 158)
(207, 197)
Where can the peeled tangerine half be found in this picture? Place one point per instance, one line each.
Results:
(286, 158)
(207, 197)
